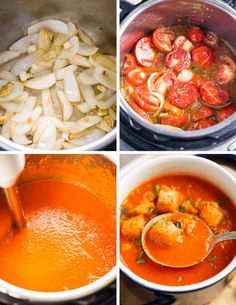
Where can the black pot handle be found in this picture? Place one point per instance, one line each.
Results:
(162, 299)
(125, 7)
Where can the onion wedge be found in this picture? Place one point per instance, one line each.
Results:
(60, 74)
(22, 44)
(89, 138)
(56, 26)
(47, 102)
(88, 95)
(105, 77)
(11, 91)
(48, 137)
(80, 60)
(41, 82)
(86, 50)
(6, 75)
(26, 112)
(7, 56)
(85, 123)
(23, 64)
(107, 103)
(67, 108)
(71, 87)
(87, 78)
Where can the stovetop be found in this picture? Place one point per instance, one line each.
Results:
(135, 138)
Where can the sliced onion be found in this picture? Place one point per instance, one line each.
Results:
(60, 74)
(48, 138)
(89, 138)
(160, 97)
(3, 83)
(88, 95)
(105, 77)
(86, 50)
(7, 56)
(23, 64)
(80, 60)
(62, 126)
(83, 107)
(185, 75)
(41, 82)
(22, 44)
(87, 78)
(67, 108)
(104, 95)
(6, 128)
(26, 126)
(47, 102)
(104, 126)
(85, 123)
(12, 107)
(70, 53)
(20, 139)
(62, 38)
(36, 69)
(107, 103)
(26, 112)
(71, 87)
(85, 38)
(16, 91)
(107, 61)
(60, 63)
(56, 26)
(6, 75)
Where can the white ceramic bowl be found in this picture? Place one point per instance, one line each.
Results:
(138, 172)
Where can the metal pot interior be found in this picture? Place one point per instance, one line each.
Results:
(213, 15)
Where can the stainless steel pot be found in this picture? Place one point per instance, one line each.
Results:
(96, 18)
(212, 14)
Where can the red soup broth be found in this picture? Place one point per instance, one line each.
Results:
(69, 241)
(220, 257)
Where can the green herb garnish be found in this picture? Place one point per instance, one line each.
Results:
(140, 259)
(212, 265)
(137, 241)
(178, 224)
(190, 201)
(182, 209)
(213, 258)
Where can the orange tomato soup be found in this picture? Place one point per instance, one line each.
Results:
(191, 189)
(69, 241)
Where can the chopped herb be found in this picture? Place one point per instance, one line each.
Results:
(213, 258)
(182, 209)
(180, 279)
(156, 189)
(125, 211)
(212, 265)
(178, 224)
(190, 201)
(137, 241)
(140, 259)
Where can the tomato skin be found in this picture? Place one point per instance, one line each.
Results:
(226, 70)
(196, 81)
(144, 52)
(138, 110)
(226, 112)
(175, 121)
(178, 60)
(213, 94)
(163, 38)
(161, 82)
(183, 43)
(129, 64)
(182, 95)
(196, 35)
(206, 123)
(203, 56)
(204, 112)
(145, 103)
(137, 77)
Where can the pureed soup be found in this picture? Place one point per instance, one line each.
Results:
(70, 238)
(181, 195)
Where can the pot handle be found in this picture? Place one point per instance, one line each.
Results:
(162, 299)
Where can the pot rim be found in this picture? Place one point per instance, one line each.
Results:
(169, 131)
(127, 170)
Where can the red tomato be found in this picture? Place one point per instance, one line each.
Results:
(226, 70)
(206, 123)
(226, 112)
(203, 113)
(178, 60)
(182, 95)
(196, 35)
(129, 64)
(213, 94)
(161, 82)
(138, 110)
(203, 56)
(144, 52)
(212, 40)
(163, 38)
(196, 81)
(147, 102)
(183, 43)
(175, 121)
(137, 77)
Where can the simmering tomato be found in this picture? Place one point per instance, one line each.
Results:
(206, 123)
(163, 38)
(203, 56)
(175, 121)
(203, 113)
(144, 52)
(178, 60)
(138, 110)
(213, 94)
(226, 112)
(226, 70)
(137, 77)
(196, 81)
(129, 64)
(211, 40)
(182, 95)
(161, 82)
(147, 101)
(196, 35)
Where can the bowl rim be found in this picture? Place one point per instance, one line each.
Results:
(125, 172)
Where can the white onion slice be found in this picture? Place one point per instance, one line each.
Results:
(185, 75)
(26, 126)
(12, 107)
(71, 87)
(7, 56)
(47, 102)
(83, 107)
(105, 77)
(88, 95)
(48, 138)
(3, 83)
(62, 38)
(85, 38)
(22, 44)
(107, 103)
(160, 97)
(26, 112)
(80, 60)
(87, 78)
(16, 91)
(8, 76)
(56, 26)
(70, 53)
(60, 74)
(41, 82)
(60, 63)
(67, 108)
(107, 61)
(20, 139)
(6, 128)
(86, 50)
(23, 64)
(89, 138)
(85, 123)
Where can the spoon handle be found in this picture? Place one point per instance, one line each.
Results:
(225, 236)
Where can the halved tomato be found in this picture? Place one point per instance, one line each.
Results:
(203, 113)
(196, 81)
(129, 64)
(196, 35)
(178, 59)
(137, 76)
(226, 112)
(161, 82)
(144, 52)
(226, 70)
(183, 43)
(163, 38)
(182, 95)
(211, 40)
(206, 123)
(147, 101)
(213, 94)
(203, 56)
(176, 121)
(138, 110)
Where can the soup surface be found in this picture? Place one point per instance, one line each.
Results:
(175, 194)
(180, 76)
(69, 240)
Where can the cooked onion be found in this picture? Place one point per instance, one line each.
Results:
(88, 95)
(86, 50)
(60, 74)
(85, 123)
(23, 64)
(105, 77)
(67, 108)
(87, 77)
(22, 44)
(7, 56)
(71, 87)
(52, 25)
(11, 91)
(41, 82)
